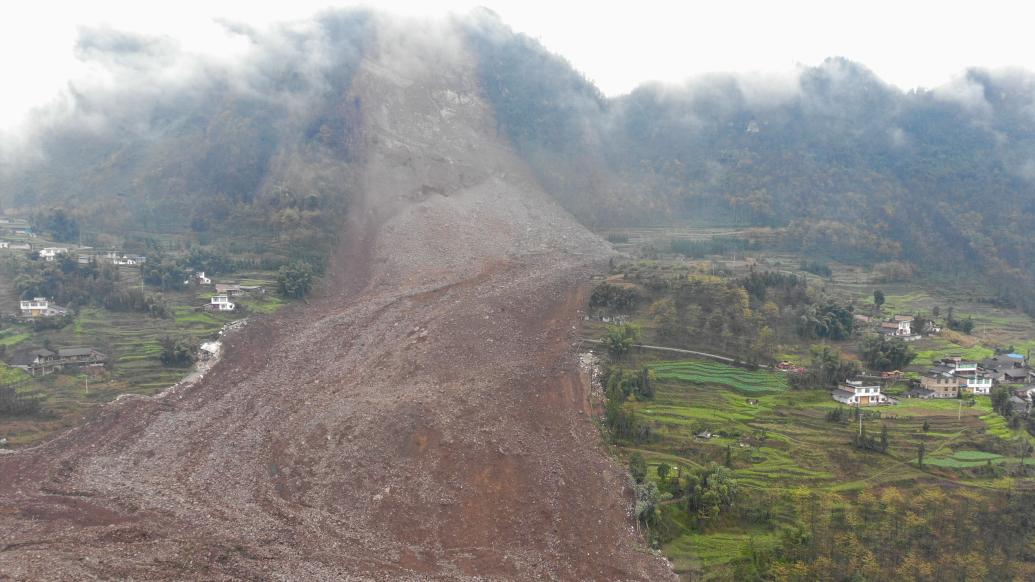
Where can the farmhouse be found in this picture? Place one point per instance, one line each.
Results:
(898, 327)
(221, 303)
(40, 307)
(42, 362)
(80, 356)
(51, 253)
(200, 279)
(854, 392)
(228, 289)
(942, 381)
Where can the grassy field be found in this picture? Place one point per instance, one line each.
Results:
(701, 372)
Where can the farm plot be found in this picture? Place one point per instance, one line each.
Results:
(699, 372)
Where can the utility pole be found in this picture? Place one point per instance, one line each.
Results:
(858, 412)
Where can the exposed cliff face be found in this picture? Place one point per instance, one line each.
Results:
(423, 418)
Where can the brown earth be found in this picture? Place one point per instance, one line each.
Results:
(423, 418)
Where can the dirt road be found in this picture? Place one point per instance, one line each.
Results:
(422, 418)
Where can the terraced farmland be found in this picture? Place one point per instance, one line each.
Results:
(701, 372)
(778, 441)
(966, 460)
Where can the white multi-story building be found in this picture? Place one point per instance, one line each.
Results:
(222, 303)
(39, 307)
(854, 392)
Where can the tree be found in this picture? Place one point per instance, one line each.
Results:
(663, 470)
(619, 339)
(614, 297)
(637, 467)
(1024, 449)
(295, 280)
(177, 352)
(884, 438)
(665, 317)
(920, 451)
(927, 425)
(729, 456)
(647, 503)
(878, 298)
(883, 354)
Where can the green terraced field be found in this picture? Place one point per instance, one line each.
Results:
(779, 440)
(10, 375)
(13, 339)
(701, 372)
(965, 460)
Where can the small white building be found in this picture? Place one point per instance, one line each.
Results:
(199, 278)
(899, 328)
(39, 307)
(854, 392)
(221, 303)
(4, 244)
(51, 253)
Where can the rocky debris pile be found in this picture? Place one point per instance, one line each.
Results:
(425, 418)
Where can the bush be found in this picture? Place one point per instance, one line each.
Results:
(178, 352)
(295, 280)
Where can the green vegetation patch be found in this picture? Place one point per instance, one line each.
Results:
(13, 339)
(699, 372)
(10, 375)
(965, 460)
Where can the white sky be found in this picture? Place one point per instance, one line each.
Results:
(616, 44)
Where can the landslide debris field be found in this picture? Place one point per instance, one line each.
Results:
(424, 417)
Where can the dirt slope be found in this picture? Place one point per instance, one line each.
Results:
(424, 418)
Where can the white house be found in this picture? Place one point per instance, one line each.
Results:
(200, 278)
(4, 244)
(897, 328)
(854, 392)
(50, 253)
(124, 260)
(40, 307)
(221, 303)
(979, 384)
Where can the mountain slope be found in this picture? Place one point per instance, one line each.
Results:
(424, 418)
(843, 164)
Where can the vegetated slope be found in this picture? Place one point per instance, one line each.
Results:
(423, 418)
(846, 164)
(249, 152)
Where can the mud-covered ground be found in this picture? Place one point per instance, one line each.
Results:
(423, 417)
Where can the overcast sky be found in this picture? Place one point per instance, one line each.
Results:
(616, 44)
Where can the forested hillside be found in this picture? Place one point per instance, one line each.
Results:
(841, 163)
(252, 154)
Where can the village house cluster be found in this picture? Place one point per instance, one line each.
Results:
(899, 326)
(222, 300)
(953, 376)
(950, 378)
